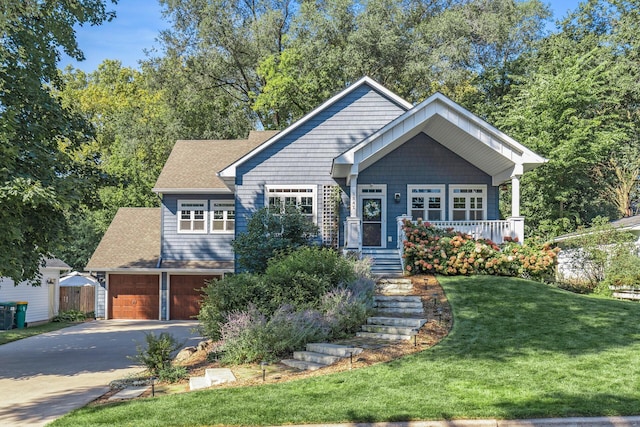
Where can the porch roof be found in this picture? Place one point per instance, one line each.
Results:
(451, 125)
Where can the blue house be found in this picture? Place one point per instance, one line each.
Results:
(357, 166)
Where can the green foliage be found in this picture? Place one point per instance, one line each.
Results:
(623, 272)
(310, 294)
(157, 354)
(172, 373)
(301, 277)
(233, 292)
(269, 234)
(592, 250)
(39, 176)
(428, 249)
(70, 316)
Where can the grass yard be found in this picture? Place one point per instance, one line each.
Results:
(517, 349)
(18, 334)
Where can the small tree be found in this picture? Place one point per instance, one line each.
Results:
(269, 234)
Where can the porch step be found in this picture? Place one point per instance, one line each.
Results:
(383, 336)
(396, 287)
(333, 349)
(303, 365)
(311, 356)
(408, 322)
(386, 262)
(319, 355)
(396, 298)
(391, 330)
(399, 312)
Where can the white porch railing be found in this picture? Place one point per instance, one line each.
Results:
(495, 230)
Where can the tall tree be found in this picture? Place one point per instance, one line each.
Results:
(39, 174)
(578, 106)
(134, 133)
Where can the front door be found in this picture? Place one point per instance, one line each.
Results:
(373, 207)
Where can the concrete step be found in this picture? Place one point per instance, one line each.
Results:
(394, 281)
(399, 298)
(385, 329)
(333, 349)
(302, 365)
(395, 288)
(397, 321)
(398, 304)
(376, 335)
(198, 383)
(320, 358)
(402, 312)
(219, 375)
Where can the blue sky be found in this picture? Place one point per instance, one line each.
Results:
(138, 23)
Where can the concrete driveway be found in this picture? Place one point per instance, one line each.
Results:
(46, 376)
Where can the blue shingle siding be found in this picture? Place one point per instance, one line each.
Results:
(305, 155)
(422, 160)
(192, 247)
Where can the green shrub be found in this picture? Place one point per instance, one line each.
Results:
(70, 316)
(157, 354)
(623, 272)
(303, 276)
(269, 234)
(233, 292)
(172, 373)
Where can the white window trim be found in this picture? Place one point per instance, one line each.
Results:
(179, 216)
(272, 190)
(443, 196)
(483, 187)
(226, 206)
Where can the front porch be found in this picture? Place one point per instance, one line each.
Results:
(388, 261)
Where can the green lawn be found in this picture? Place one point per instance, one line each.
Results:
(517, 349)
(18, 334)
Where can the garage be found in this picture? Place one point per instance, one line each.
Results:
(134, 296)
(185, 295)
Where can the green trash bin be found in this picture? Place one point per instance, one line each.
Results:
(21, 314)
(7, 315)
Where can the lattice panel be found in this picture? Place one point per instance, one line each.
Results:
(330, 215)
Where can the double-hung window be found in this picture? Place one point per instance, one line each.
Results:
(302, 198)
(192, 216)
(223, 216)
(468, 202)
(426, 202)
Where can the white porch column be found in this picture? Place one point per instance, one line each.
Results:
(517, 221)
(353, 225)
(515, 195)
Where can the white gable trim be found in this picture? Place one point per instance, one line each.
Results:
(517, 156)
(229, 173)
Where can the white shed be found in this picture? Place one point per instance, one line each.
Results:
(42, 299)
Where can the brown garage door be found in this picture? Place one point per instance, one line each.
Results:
(134, 296)
(185, 296)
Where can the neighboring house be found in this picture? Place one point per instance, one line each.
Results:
(571, 264)
(355, 166)
(43, 298)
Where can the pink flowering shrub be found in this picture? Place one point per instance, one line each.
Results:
(428, 249)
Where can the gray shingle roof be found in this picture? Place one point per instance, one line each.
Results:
(193, 165)
(131, 241)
